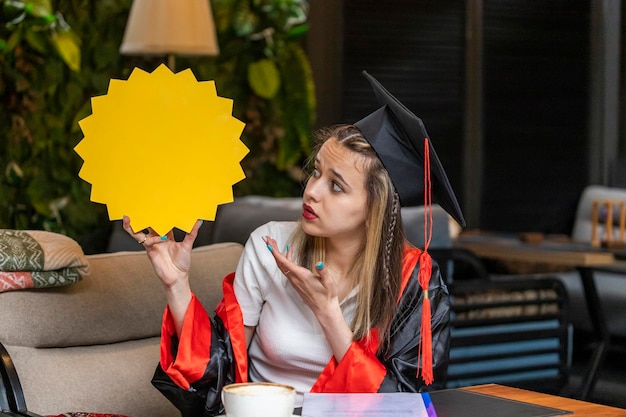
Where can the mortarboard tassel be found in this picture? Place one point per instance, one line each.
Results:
(424, 274)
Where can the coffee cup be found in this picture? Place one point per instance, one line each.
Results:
(258, 399)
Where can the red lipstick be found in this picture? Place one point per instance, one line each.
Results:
(308, 213)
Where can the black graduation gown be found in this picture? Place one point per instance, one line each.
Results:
(212, 352)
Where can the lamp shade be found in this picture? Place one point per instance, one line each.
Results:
(170, 27)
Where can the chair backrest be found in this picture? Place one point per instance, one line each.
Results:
(234, 222)
(582, 228)
(514, 332)
(413, 222)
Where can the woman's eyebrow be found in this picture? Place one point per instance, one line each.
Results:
(335, 173)
(340, 177)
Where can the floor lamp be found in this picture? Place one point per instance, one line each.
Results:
(170, 27)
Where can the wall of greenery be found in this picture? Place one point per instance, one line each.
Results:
(56, 55)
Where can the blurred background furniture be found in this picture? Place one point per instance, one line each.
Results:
(514, 332)
(610, 285)
(510, 250)
(603, 287)
(593, 276)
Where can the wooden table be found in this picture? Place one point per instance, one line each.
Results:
(579, 408)
(558, 253)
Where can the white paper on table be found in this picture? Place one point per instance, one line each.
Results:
(395, 404)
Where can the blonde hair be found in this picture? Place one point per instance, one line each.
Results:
(378, 267)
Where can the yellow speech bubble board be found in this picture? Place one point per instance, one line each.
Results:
(161, 148)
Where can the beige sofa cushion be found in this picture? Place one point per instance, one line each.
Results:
(121, 299)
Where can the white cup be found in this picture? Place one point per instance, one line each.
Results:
(258, 399)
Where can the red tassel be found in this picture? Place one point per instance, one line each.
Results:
(427, 343)
(425, 354)
(425, 271)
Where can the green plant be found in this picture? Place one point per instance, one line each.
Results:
(51, 64)
(38, 50)
(264, 68)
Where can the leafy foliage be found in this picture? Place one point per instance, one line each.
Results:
(39, 60)
(268, 73)
(54, 59)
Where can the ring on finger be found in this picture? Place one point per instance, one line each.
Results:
(141, 242)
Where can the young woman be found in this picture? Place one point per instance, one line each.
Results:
(337, 302)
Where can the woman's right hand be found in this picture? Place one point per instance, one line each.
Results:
(171, 261)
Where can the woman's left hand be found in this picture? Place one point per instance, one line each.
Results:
(318, 289)
(320, 292)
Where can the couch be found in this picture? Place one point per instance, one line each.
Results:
(93, 346)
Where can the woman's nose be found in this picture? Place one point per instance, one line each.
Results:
(311, 191)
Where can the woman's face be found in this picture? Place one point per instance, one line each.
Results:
(335, 198)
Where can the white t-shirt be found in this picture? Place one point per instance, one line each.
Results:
(289, 345)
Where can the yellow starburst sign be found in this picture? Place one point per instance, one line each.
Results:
(161, 148)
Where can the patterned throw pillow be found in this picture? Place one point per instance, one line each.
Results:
(39, 259)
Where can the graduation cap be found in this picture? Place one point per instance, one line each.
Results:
(397, 135)
(402, 144)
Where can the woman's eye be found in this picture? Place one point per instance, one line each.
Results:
(315, 173)
(337, 188)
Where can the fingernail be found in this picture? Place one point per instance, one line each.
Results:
(163, 237)
(320, 265)
(287, 248)
(201, 222)
(270, 248)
